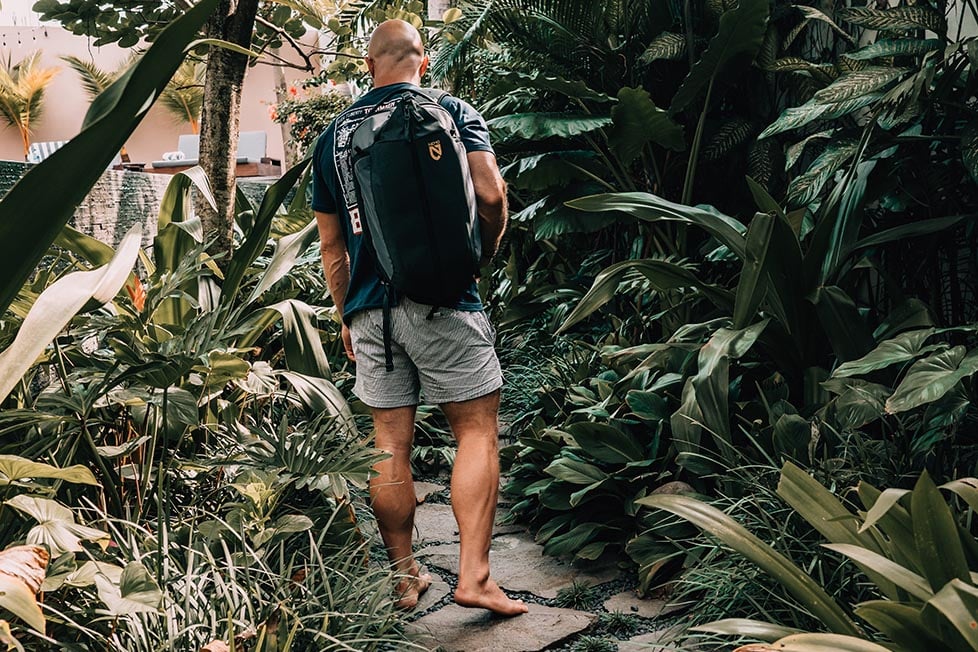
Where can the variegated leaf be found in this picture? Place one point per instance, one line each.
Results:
(858, 84)
(896, 19)
(845, 108)
(814, 14)
(793, 34)
(896, 47)
(666, 45)
(730, 134)
(793, 153)
(969, 149)
(794, 117)
(822, 72)
(805, 188)
(769, 47)
(844, 65)
(760, 162)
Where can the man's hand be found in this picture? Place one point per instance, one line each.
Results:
(347, 343)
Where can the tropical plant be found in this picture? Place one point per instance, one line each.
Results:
(183, 97)
(22, 87)
(907, 543)
(307, 117)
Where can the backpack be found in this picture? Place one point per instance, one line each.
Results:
(416, 201)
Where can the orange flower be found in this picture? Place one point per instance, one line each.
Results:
(273, 112)
(293, 118)
(293, 91)
(137, 293)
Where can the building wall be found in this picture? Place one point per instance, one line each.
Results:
(65, 101)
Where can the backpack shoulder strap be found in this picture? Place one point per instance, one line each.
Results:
(435, 94)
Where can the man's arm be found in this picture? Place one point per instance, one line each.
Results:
(490, 195)
(336, 265)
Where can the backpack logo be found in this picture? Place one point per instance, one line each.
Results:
(434, 150)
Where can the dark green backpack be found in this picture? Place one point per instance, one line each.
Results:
(416, 200)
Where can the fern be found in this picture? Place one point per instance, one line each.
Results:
(896, 19)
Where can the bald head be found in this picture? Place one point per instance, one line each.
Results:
(396, 53)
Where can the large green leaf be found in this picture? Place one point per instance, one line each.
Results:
(793, 579)
(137, 592)
(536, 126)
(548, 170)
(896, 18)
(652, 208)
(969, 150)
(896, 47)
(56, 528)
(59, 303)
(606, 443)
(858, 83)
(660, 274)
(876, 564)
(322, 396)
(931, 378)
(745, 627)
(958, 603)
(935, 534)
(705, 403)
(845, 327)
(287, 252)
(740, 33)
(637, 121)
(899, 622)
(902, 348)
(302, 343)
(13, 468)
(256, 241)
(575, 472)
(574, 89)
(75, 168)
(912, 230)
(805, 188)
(753, 284)
(667, 45)
(819, 643)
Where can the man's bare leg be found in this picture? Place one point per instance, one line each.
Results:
(393, 500)
(475, 485)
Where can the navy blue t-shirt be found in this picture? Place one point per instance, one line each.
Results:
(329, 195)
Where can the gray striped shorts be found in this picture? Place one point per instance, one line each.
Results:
(449, 358)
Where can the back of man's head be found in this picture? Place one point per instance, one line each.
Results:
(395, 52)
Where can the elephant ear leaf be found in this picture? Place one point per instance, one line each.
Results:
(637, 121)
(741, 32)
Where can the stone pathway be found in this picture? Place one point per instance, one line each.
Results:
(520, 567)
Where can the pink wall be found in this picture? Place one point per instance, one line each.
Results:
(66, 102)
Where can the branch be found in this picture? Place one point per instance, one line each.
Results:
(288, 37)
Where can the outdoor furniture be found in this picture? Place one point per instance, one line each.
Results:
(40, 150)
(251, 160)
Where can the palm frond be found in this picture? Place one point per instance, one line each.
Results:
(183, 97)
(94, 79)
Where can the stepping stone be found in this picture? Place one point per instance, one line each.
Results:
(518, 564)
(439, 589)
(629, 603)
(424, 489)
(457, 629)
(435, 524)
(657, 641)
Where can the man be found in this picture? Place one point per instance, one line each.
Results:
(448, 353)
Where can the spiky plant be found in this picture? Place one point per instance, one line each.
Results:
(95, 79)
(22, 86)
(184, 95)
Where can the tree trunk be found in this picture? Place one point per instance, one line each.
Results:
(234, 21)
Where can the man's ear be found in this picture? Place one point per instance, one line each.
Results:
(423, 67)
(371, 64)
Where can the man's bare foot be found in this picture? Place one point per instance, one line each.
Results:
(411, 587)
(488, 595)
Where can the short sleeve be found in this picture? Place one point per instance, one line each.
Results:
(324, 175)
(471, 125)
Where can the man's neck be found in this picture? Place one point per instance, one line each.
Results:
(380, 82)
